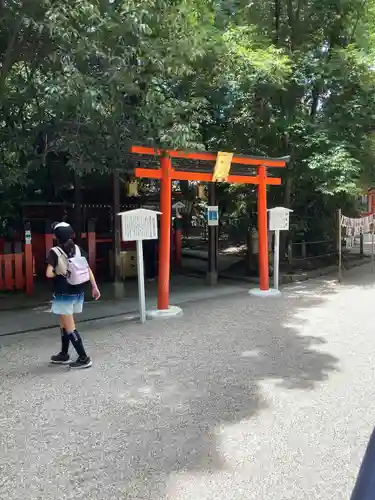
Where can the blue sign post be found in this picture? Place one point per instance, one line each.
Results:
(213, 215)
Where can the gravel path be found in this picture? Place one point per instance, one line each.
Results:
(241, 398)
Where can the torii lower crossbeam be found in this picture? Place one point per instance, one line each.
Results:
(166, 174)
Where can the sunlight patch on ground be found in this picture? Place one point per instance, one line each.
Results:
(250, 354)
(234, 250)
(241, 451)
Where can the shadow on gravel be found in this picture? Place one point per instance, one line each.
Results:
(156, 398)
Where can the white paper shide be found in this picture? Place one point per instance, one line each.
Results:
(357, 226)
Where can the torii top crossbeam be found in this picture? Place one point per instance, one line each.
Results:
(240, 176)
(228, 168)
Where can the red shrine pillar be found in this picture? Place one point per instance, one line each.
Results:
(91, 244)
(165, 231)
(263, 229)
(371, 201)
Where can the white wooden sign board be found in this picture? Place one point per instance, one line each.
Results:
(139, 224)
(279, 219)
(178, 205)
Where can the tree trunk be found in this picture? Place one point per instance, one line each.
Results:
(277, 22)
(290, 9)
(288, 190)
(287, 203)
(11, 53)
(116, 232)
(77, 207)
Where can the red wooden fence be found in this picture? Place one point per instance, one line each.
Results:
(12, 276)
(17, 270)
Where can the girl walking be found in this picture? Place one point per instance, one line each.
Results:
(68, 268)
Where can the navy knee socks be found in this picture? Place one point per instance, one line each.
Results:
(64, 341)
(75, 339)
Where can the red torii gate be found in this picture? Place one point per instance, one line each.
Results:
(166, 174)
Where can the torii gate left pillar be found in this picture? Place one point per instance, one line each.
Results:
(166, 174)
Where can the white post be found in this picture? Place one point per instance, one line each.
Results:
(339, 244)
(276, 256)
(141, 282)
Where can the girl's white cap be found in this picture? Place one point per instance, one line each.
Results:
(61, 224)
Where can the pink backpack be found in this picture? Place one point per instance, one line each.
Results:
(76, 269)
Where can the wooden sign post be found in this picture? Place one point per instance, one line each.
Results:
(279, 221)
(138, 225)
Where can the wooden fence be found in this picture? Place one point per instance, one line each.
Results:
(17, 267)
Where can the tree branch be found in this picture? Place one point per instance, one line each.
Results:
(11, 53)
(291, 24)
(357, 21)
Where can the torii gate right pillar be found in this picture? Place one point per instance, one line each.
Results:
(263, 229)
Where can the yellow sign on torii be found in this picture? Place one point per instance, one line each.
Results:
(222, 166)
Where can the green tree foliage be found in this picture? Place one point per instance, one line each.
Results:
(321, 108)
